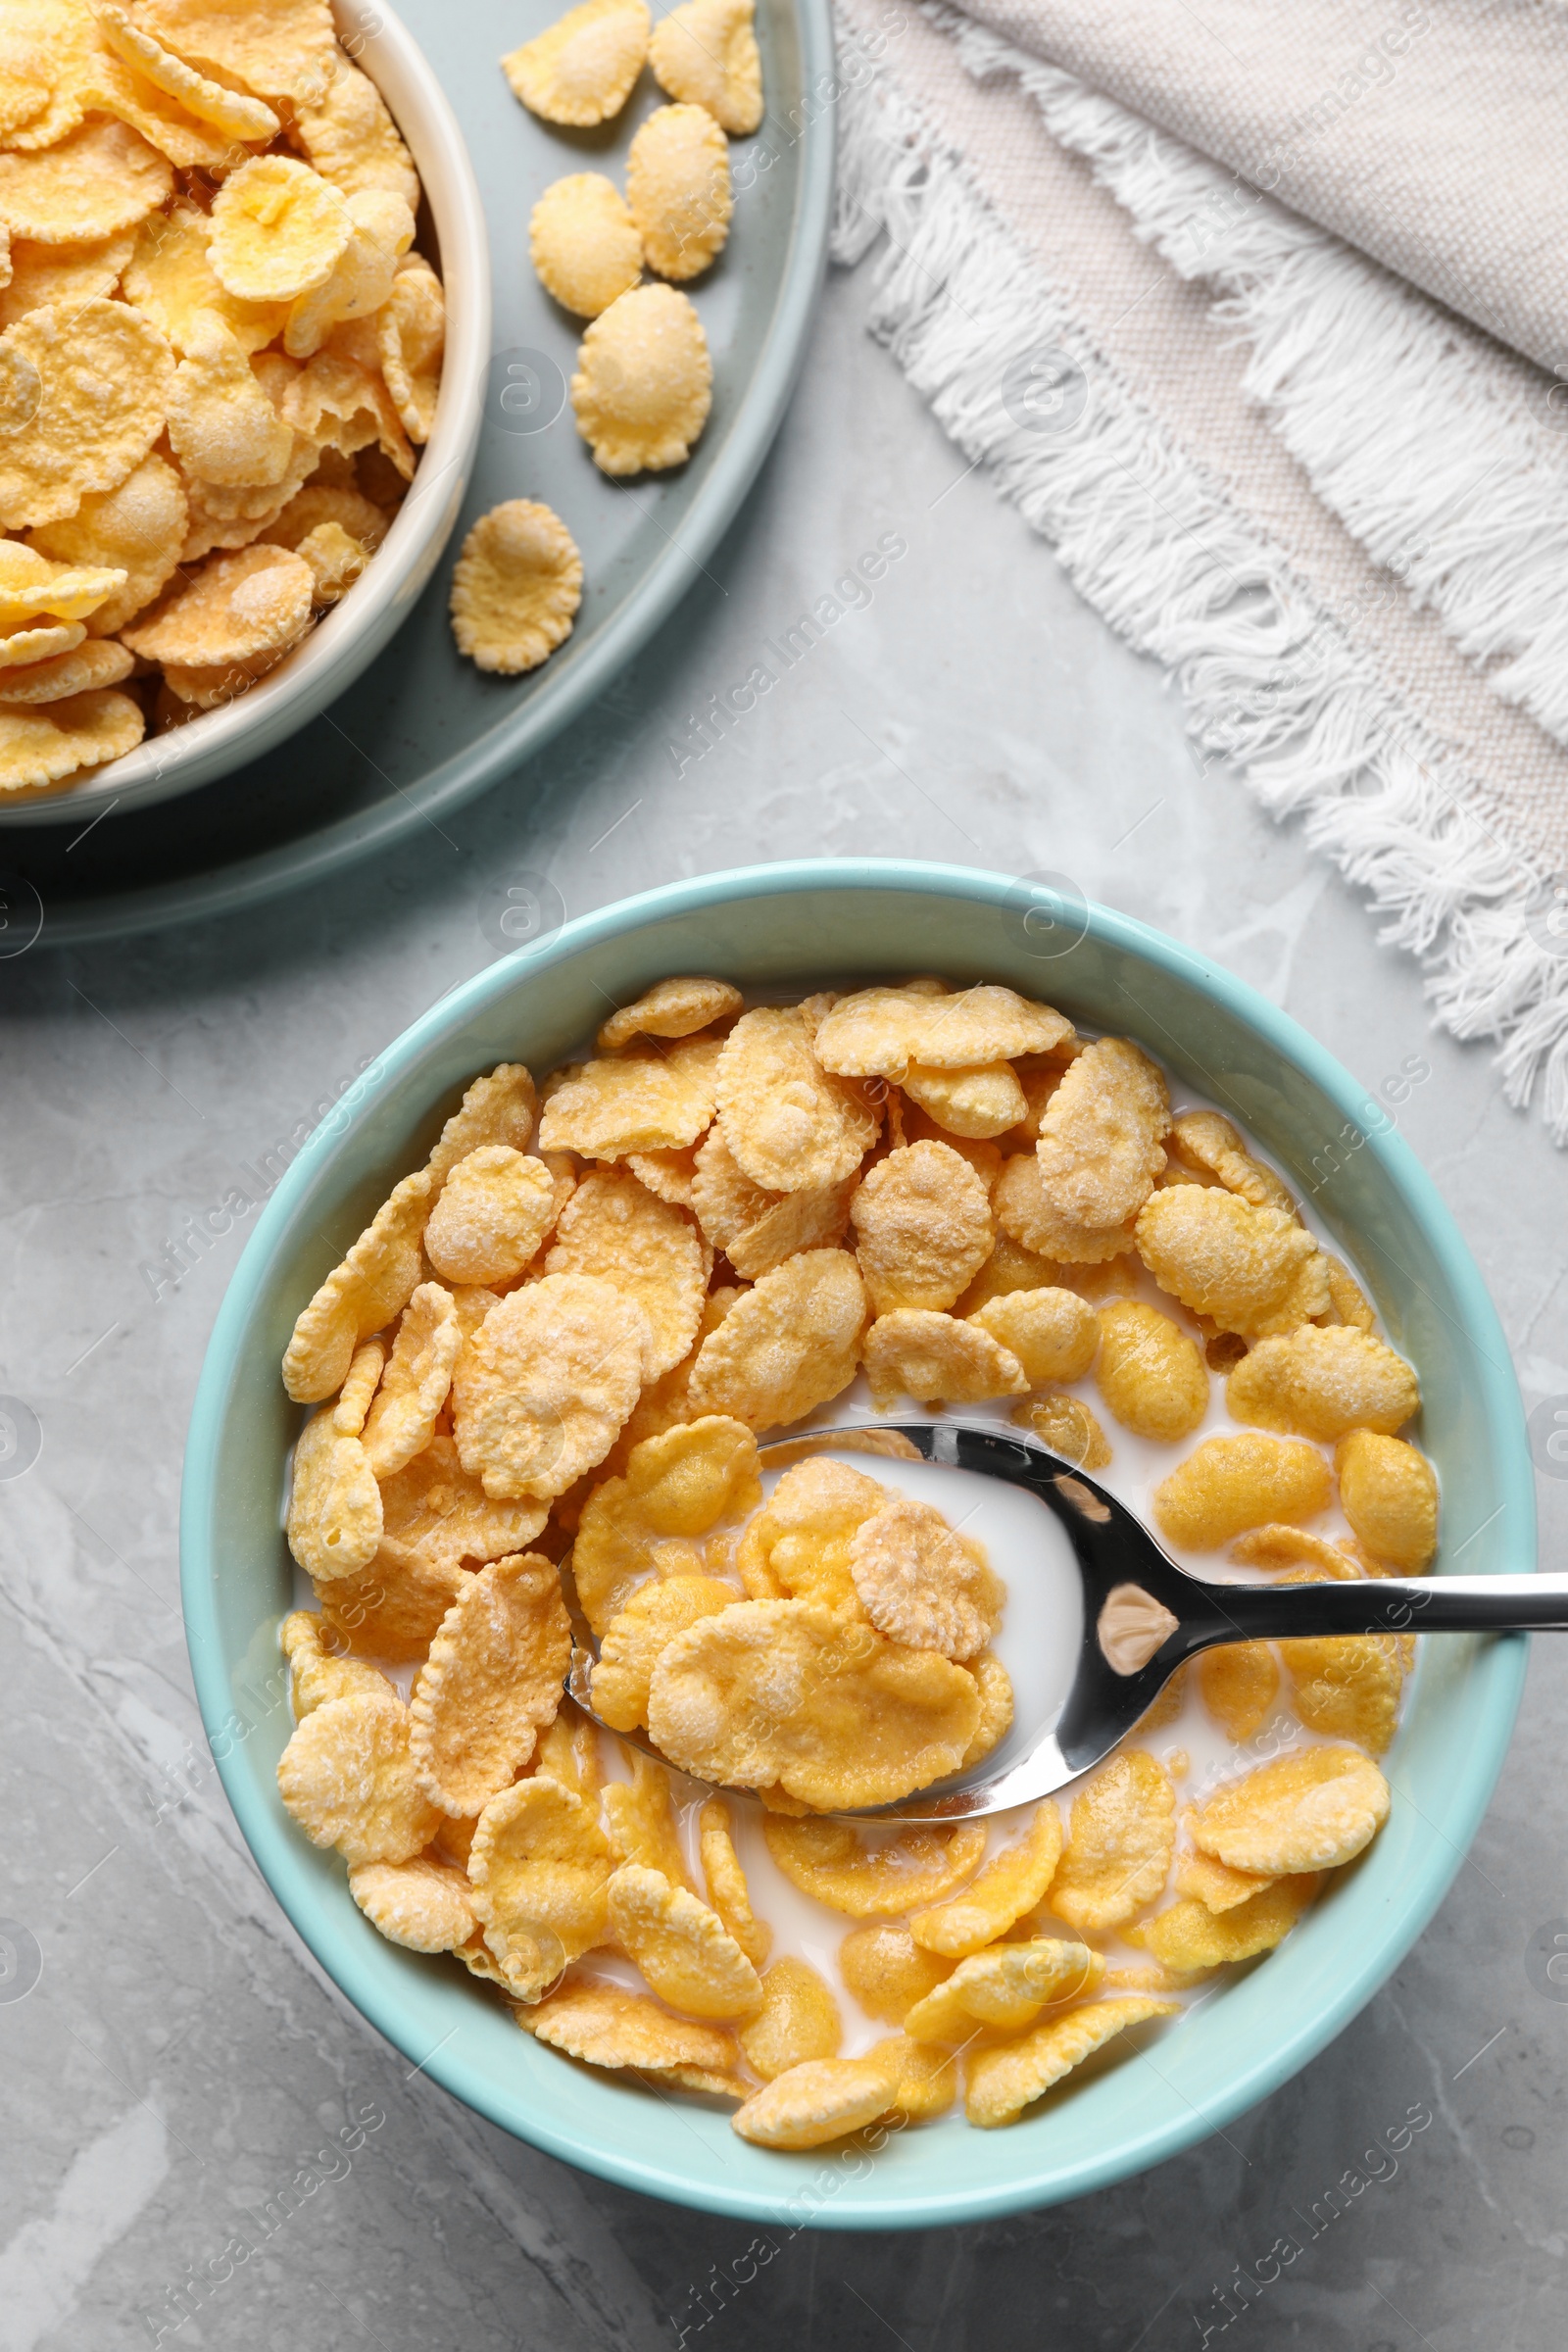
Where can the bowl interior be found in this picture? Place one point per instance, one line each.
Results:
(346, 640)
(765, 928)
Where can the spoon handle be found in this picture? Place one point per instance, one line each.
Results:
(1385, 1605)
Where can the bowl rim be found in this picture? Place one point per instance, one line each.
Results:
(275, 1845)
(342, 644)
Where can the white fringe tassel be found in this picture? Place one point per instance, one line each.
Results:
(1269, 678)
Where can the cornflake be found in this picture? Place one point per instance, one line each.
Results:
(516, 588)
(679, 191)
(1310, 1811)
(1052, 1332)
(427, 1906)
(1255, 1271)
(492, 1679)
(546, 1384)
(705, 52)
(1101, 1142)
(347, 1776)
(790, 1125)
(1067, 1425)
(725, 1879)
(823, 2098)
(84, 670)
(103, 374)
(921, 1585)
(1003, 2082)
(923, 1226)
(994, 1686)
(1004, 1988)
(1228, 1484)
(888, 1972)
(1012, 1883)
(1120, 1838)
(636, 1637)
(539, 1866)
(359, 1296)
(684, 1951)
(316, 1674)
(84, 730)
(410, 329)
(677, 1486)
(799, 1545)
(1151, 1374)
(640, 1817)
(497, 1108)
(934, 1357)
(799, 2020)
(671, 1008)
(1027, 1217)
(584, 243)
(434, 1504)
(636, 1102)
(334, 1510)
(393, 1606)
(401, 1421)
(1390, 1496)
(1239, 1684)
(861, 1874)
(580, 71)
(614, 1228)
(644, 382)
(1323, 1384)
(1347, 1686)
(975, 1104)
(787, 1346)
(881, 1031)
(604, 2025)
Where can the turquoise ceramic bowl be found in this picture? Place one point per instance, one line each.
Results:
(767, 927)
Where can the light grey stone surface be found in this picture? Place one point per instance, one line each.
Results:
(179, 2053)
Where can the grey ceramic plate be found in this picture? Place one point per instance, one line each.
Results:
(422, 730)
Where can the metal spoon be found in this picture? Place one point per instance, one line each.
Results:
(1143, 1616)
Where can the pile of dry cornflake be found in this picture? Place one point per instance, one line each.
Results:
(219, 351)
(550, 1356)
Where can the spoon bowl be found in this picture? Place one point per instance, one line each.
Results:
(1143, 1616)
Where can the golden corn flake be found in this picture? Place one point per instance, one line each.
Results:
(1228, 1484)
(493, 1677)
(1052, 1332)
(362, 280)
(85, 670)
(347, 1776)
(278, 230)
(30, 587)
(1120, 1838)
(372, 1284)
(1347, 1686)
(546, 1384)
(823, 2098)
(1151, 1374)
(934, 1357)
(725, 1879)
(1308, 1811)
(725, 1203)
(1214, 1885)
(1012, 1883)
(137, 528)
(644, 382)
(318, 1675)
(516, 588)
(679, 190)
(1293, 1548)
(585, 245)
(705, 53)
(281, 48)
(426, 1907)
(392, 1607)
(581, 70)
(604, 2025)
(434, 1503)
(887, 1972)
(928, 2077)
(784, 1692)
(1101, 1139)
(497, 1108)
(881, 1031)
(799, 1546)
(354, 1397)
(1389, 1496)
(640, 1819)
(1067, 1425)
(923, 1585)
(923, 1226)
(401, 1421)
(613, 1227)
(790, 1125)
(677, 1485)
(684, 1951)
(539, 1866)
(41, 274)
(103, 374)
(569, 1751)
(1026, 1215)
(1251, 1270)
(229, 111)
(1238, 1683)
(351, 139)
(1323, 1384)
(253, 602)
(1003, 2082)
(799, 2020)
(790, 1344)
(335, 560)
(1347, 1301)
(1207, 1146)
(492, 1216)
(637, 1635)
(1190, 1939)
(864, 1871)
(334, 1510)
(96, 182)
(1004, 1988)
(817, 1219)
(671, 1008)
(637, 1101)
(411, 330)
(669, 1175)
(26, 647)
(994, 1686)
(977, 1102)
(40, 746)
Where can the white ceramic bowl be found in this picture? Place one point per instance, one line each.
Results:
(350, 637)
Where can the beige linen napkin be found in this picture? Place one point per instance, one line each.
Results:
(1269, 455)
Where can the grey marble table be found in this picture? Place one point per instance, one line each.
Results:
(180, 2055)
